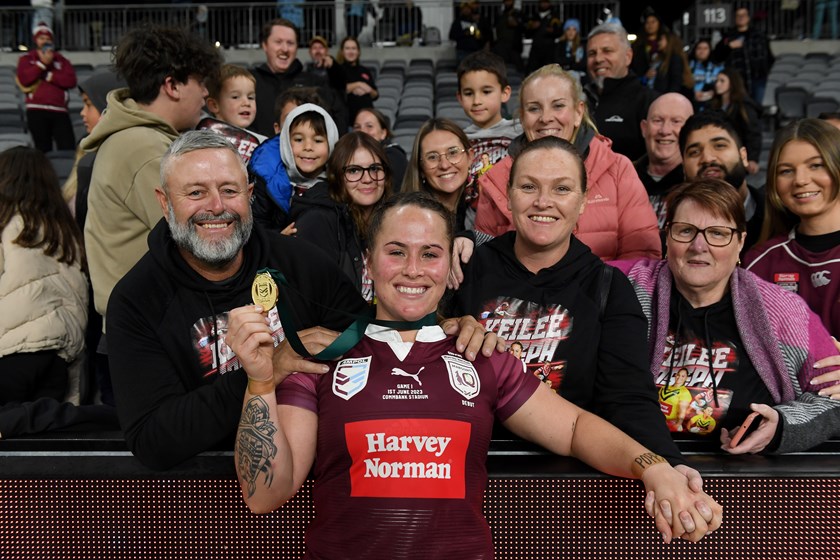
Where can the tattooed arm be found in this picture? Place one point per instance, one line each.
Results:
(272, 458)
(275, 446)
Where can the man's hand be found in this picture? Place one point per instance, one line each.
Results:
(46, 56)
(286, 361)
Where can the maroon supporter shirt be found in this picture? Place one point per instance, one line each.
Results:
(402, 444)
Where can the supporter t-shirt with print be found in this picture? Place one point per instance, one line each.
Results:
(691, 332)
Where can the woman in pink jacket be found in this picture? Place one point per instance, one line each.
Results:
(619, 222)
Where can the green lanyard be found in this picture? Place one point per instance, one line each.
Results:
(349, 337)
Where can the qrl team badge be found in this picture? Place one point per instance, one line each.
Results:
(350, 377)
(462, 376)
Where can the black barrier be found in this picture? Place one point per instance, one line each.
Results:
(74, 497)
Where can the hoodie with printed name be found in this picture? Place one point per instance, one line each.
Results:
(583, 336)
(179, 389)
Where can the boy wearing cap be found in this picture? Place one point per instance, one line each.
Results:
(45, 76)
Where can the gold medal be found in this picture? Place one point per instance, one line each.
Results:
(264, 291)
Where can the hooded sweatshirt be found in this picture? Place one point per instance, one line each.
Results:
(618, 222)
(584, 337)
(269, 85)
(96, 87)
(122, 206)
(328, 224)
(178, 387)
(299, 181)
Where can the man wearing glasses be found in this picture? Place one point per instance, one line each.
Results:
(712, 149)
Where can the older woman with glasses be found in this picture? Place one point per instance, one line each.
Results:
(440, 165)
(358, 179)
(748, 345)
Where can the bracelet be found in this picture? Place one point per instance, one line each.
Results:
(257, 387)
(644, 461)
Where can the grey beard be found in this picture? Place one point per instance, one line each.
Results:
(212, 253)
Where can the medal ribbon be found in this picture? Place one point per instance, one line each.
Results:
(349, 337)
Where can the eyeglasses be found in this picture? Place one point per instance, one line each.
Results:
(354, 173)
(716, 236)
(453, 155)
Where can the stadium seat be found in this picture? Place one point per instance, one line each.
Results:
(62, 161)
(12, 139)
(791, 103)
(816, 105)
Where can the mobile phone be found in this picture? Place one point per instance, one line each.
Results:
(748, 425)
(47, 47)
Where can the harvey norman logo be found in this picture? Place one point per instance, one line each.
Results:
(408, 457)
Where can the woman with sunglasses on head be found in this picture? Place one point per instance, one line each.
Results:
(440, 165)
(748, 345)
(358, 179)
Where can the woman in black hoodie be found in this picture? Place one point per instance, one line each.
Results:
(358, 179)
(580, 328)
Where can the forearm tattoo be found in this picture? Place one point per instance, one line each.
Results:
(255, 447)
(646, 460)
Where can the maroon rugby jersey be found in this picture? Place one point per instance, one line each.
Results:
(400, 469)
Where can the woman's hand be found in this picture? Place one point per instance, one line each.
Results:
(668, 492)
(833, 391)
(758, 440)
(289, 229)
(709, 510)
(462, 251)
(249, 336)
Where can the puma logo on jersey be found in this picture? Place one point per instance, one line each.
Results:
(414, 376)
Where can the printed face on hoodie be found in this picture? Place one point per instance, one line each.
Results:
(207, 206)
